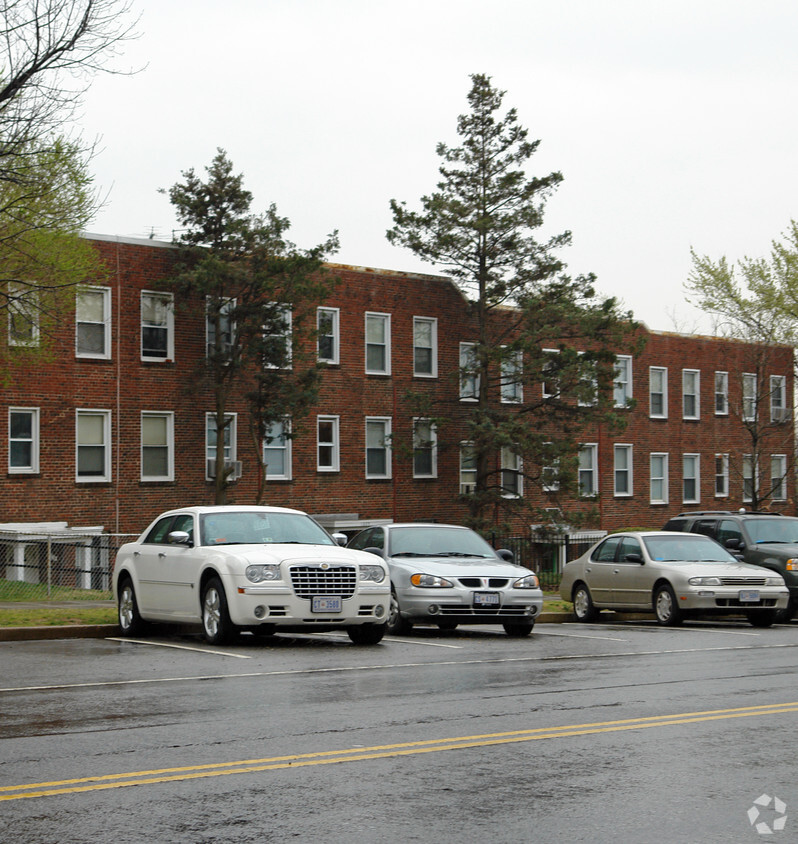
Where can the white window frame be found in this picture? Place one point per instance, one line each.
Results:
(469, 383)
(622, 387)
(432, 322)
(721, 393)
(750, 475)
(691, 473)
(544, 382)
(591, 471)
(372, 424)
(550, 470)
(31, 468)
(661, 479)
(511, 386)
(168, 326)
(279, 443)
(385, 321)
(229, 446)
(512, 467)
(778, 482)
(169, 444)
(105, 444)
(468, 468)
(431, 445)
(626, 470)
(721, 475)
(333, 444)
(210, 328)
(749, 403)
(663, 372)
(286, 336)
(334, 315)
(23, 305)
(694, 393)
(105, 322)
(778, 399)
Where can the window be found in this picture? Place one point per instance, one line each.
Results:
(778, 477)
(425, 347)
(588, 384)
(157, 326)
(157, 446)
(327, 448)
(658, 392)
(691, 399)
(93, 323)
(749, 477)
(721, 394)
(219, 328)
(512, 371)
(512, 477)
(378, 344)
(659, 478)
(623, 470)
(229, 447)
(551, 380)
(721, 476)
(778, 398)
(277, 338)
(425, 449)
(691, 478)
(23, 440)
(550, 470)
(623, 380)
(23, 315)
(277, 451)
(588, 470)
(327, 326)
(749, 397)
(469, 377)
(468, 469)
(378, 449)
(92, 443)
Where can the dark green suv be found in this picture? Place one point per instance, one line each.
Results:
(764, 539)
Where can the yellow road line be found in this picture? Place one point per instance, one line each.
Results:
(327, 757)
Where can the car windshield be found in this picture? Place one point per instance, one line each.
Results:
(688, 548)
(773, 530)
(441, 541)
(254, 527)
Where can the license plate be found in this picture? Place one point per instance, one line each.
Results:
(326, 603)
(749, 595)
(486, 599)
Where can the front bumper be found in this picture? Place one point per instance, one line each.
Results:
(726, 599)
(460, 606)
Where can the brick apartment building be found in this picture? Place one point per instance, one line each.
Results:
(114, 428)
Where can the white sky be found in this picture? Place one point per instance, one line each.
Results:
(673, 123)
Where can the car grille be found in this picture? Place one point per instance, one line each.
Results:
(314, 580)
(477, 582)
(743, 581)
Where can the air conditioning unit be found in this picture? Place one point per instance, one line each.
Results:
(467, 489)
(780, 414)
(233, 468)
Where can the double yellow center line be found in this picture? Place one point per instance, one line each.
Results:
(359, 754)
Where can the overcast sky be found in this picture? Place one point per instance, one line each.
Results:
(673, 123)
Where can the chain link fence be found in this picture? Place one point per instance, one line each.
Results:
(61, 565)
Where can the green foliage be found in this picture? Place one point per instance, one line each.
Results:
(534, 324)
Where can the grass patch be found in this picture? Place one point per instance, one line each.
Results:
(56, 616)
(15, 590)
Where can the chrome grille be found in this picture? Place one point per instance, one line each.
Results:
(314, 580)
(477, 582)
(743, 581)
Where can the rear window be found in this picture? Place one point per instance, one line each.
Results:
(676, 524)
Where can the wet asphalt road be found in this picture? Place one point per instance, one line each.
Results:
(581, 733)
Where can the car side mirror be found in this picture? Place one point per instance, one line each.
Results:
(506, 555)
(179, 537)
(634, 557)
(734, 544)
(340, 539)
(373, 550)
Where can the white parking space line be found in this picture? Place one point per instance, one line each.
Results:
(577, 636)
(154, 644)
(698, 629)
(422, 642)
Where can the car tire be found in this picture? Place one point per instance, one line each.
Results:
(518, 629)
(130, 621)
(396, 625)
(216, 624)
(666, 609)
(787, 614)
(584, 608)
(367, 634)
(762, 618)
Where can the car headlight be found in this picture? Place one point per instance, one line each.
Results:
(372, 574)
(529, 582)
(704, 581)
(774, 581)
(261, 573)
(431, 581)
(792, 565)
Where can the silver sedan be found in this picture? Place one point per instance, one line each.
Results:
(673, 574)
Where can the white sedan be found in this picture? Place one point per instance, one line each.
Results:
(263, 569)
(673, 574)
